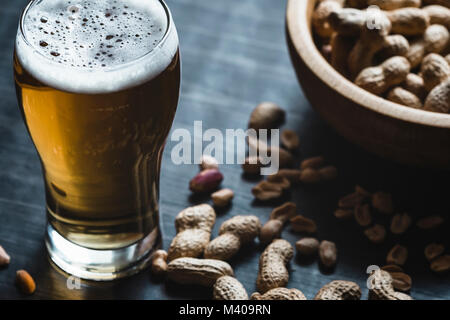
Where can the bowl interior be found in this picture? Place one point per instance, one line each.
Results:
(298, 20)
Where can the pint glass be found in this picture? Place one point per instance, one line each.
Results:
(98, 84)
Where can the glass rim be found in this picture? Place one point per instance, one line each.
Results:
(105, 69)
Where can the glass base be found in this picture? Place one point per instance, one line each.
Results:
(100, 265)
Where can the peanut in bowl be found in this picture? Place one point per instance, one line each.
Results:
(403, 134)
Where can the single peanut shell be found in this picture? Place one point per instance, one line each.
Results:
(379, 79)
(279, 294)
(320, 18)
(193, 227)
(229, 288)
(347, 22)
(438, 15)
(408, 21)
(414, 84)
(443, 3)
(404, 97)
(394, 45)
(272, 266)
(339, 290)
(436, 38)
(438, 100)
(434, 70)
(394, 4)
(204, 272)
(233, 233)
(370, 42)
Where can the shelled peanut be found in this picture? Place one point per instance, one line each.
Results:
(396, 49)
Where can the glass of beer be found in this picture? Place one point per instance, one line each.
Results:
(98, 84)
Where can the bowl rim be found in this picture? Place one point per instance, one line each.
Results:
(299, 32)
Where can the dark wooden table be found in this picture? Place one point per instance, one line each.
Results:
(234, 56)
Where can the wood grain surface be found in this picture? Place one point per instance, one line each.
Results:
(234, 55)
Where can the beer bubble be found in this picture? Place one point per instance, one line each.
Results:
(73, 9)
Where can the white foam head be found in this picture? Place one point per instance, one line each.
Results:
(96, 46)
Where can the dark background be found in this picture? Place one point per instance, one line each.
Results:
(234, 56)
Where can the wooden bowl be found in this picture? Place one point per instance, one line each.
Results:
(393, 131)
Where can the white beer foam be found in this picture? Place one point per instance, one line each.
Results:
(94, 47)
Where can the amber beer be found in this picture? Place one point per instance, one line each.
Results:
(98, 84)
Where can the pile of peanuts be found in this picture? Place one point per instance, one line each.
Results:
(369, 209)
(396, 49)
(193, 258)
